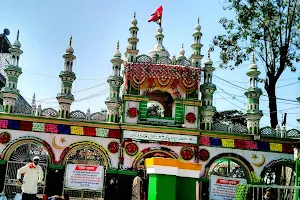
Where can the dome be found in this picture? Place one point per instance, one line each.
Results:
(160, 29)
(17, 44)
(208, 61)
(197, 27)
(117, 54)
(253, 66)
(70, 50)
(134, 22)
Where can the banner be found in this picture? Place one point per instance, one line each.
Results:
(223, 188)
(80, 177)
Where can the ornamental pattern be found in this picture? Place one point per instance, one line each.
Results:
(143, 59)
(77, 114)
(164, 60)
(232, 128)
(184, 62)
(49, 112)
(59, 128)
(98, 116)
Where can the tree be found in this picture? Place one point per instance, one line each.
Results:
(270, 28)
(233, 116)
(154, 110)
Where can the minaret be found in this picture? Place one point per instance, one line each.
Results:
(196, 56)
(65, 97)
(115, 81)
(207, 89)
(253, 114)
(10, 93)
(132, 51)
(33, 105)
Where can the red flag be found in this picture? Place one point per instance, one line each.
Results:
(156, 15)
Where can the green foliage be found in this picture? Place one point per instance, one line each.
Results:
(241, 191)
(255, 179)
(270, 28)
(234, 116)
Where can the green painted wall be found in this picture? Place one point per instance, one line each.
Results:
(185, 188)
(162, 187)
(143, 109)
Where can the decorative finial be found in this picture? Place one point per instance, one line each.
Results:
(70, 44)
(198, 20)
(134, 15)
(18, 33)
(182, 46)
(208, 54)
(253, 60)
(33, 99)
(118, 45)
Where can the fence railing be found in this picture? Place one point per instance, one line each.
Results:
(256, 192)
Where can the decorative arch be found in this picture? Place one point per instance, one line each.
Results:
(168, 90)
(272, 172)
(86, 144)
(242, 162)
(14, 144)
(153, 152)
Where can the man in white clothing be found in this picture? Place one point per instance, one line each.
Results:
(32, 176)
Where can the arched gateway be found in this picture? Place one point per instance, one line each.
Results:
(18, 154)
(87, 153)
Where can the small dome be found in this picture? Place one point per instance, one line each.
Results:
(208, 61)
(160, 29)
(197, 27)
(182, 51)
(134, 22)
(253, 66)
(70, 50)
(17, 44)
(117, 54)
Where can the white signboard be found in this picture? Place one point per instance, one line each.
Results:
(223, 188)
(80, 177)
(160, 137)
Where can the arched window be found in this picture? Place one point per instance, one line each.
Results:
(227, 167)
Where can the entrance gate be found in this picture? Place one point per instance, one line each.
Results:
(85, 154)
(20, 157)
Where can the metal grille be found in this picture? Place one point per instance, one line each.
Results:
(20, 157)
(88, 156)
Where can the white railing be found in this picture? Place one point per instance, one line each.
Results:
(256, 192)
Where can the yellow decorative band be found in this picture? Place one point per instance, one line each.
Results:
(168, 162)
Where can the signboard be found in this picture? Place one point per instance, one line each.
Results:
(160, 137)
(223, 188)
(80, 177)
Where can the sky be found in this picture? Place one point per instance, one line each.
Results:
(96, 26)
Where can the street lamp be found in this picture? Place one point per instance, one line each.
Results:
(296, 159)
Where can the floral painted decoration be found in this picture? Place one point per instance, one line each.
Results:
(190, 117)
(186, 153)
(5, 138)
(131, 149)
(113, 147)
(132, 112)
(203, 155)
